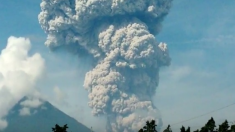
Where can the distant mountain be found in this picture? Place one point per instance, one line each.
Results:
(41, 119)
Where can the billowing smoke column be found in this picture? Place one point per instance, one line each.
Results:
(120, 37)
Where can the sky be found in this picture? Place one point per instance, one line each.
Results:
(201, 41)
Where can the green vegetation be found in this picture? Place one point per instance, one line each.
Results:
(59, 128)
(150, 126)
(168, 129)
(182, 129)
(209, 127)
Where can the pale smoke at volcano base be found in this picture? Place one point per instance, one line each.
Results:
(120, 37)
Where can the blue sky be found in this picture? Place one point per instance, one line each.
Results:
(201, 39)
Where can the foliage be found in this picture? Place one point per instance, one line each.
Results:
(182, 129)
(209, 126)
(224, 127)
(232, 129)
(149, 127)
(59, 128)
(168, 129)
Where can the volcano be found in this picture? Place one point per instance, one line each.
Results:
(41, 119)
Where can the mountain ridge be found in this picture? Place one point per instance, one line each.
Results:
(40, 119)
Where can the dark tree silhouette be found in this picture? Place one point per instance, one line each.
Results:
(224, 127)
(168, 129)
(232, 129)
(149, 127)
(182, 129)
(188, 130)
(59, 128)
(209, 126)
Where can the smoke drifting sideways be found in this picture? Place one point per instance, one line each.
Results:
(19, 73)
(120, 37)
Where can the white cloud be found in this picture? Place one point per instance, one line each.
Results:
(32, 103)
(3, 124)
(19, 73)
(25, 111)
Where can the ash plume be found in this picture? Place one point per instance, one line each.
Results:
(120, 37)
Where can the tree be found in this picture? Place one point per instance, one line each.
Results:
(224, 126)
(232, 129)
(182, 129)
(168, 129)
(149, 127)
(209, 126)
(59, 128)
(188, 130)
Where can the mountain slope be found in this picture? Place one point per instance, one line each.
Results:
(42, 119)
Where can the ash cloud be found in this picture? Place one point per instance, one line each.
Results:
(119, 35)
